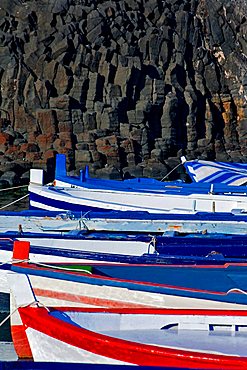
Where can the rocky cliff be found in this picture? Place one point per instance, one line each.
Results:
(126, 86)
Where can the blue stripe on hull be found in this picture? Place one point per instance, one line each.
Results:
(30, 365)
(63, 205)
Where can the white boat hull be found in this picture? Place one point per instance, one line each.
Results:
(81, 200)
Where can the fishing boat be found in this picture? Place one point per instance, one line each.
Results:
(200, 171)
(124, 285)
(199, 285)
(67, 283)
(182, 198)
(59, 222)
(86, 181)
(83, 194)
(137, 336)
(82, 246)
(124, 247)
(77, 243)
(140, 337)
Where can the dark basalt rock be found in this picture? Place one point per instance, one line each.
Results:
(126, 87)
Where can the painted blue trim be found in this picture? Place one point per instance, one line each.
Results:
(151, 185)
(169, 188)
(60, 169)
(132, 215)
(31, 365)
(63, 205)
(79, 235)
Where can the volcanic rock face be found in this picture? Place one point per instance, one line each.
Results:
(126, 86)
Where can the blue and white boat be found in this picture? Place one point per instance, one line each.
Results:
(216, 249)
(85, 194)
(201, 171)
(78, 245)
(184, 198)
(87, 182)
(191, 249)
(57, 222)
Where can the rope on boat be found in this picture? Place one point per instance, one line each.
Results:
(5, 263)
(152, 243)
(80, 224)
(13, 261)
(16, 309)
(15, 201)
(14, 187)
(236, 290)
(171, 171)
(85, 214)
(62, 268)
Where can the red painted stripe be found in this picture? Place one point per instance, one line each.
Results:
(92, 264)
(94, 301)
(20, 341)
(157, 311)
(134, 353)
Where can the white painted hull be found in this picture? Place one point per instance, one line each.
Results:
(57, 292)
(134, 201)
(37, 224)
(41, 345)
(212, 340)
(132, 248)
(6, 257)
(189, 226)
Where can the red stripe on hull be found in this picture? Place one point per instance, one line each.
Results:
(20, 341)
(93, 301)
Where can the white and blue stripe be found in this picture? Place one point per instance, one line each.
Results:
(217, 172)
